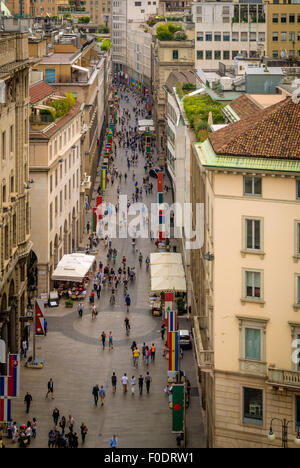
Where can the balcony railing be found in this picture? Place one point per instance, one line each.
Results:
(284, 378)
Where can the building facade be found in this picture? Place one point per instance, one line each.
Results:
(139, 54)
(224, 30)
(167, 56)
(100, 11)
(15, 188)
(283, 29)
(119, 35)
(55, 167)
(246, 278)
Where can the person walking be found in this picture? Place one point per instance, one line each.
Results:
(114, 382)
(113, 443)
(153, 352)
(124, 383)
(80, 309)
(45, 327)
(55, 416)
(110, 341)
(95, 393)
(132, 385)
(70, 423)
(50, 389)
(136, 354)
(83, 430)
(24, 348)
(148, 381)
(88, 227)
(28, 400)
(62, 425)
(141, 384)
(148, 355)
(34, 428)
(99, 290)
(128, 302)
(162, 331)
(102, 395)
(103, 339)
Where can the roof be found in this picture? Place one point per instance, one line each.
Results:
(244, 107)
(180, 77)
(40, 91)
(59, 123)
(273, 132)
(58, 59)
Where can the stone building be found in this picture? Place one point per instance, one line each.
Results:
(55, 167)
(168, 57)
(15, 185)
(246, 277)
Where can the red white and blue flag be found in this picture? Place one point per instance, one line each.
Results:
(172, 325)
(10, 385)
(5, 410)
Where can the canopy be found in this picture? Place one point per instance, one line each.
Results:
(165, 258)
(167, 273)
(73, 267)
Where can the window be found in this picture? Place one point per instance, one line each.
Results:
(56, 206)
(275, 36)
(298, 290)
(208, 36)
(244, 36)
(56, 177)
(298, 189)
(298, 18)
(234, 54)
(226, 36)
(252, 406)
(275, 18)
(283, 36)
(253, 344)
(50, 75)
(292, 18)
(283, 18)
(235, 36)
(199, 54)
(261, 37)
(217, 36)
(226, 55)
(275, 54)
(297, 412)
(60, 201)
(217, 55)
(208, 55)
(51, 183)
(253, 285)
(199, 36)
(175, 54)
(252, 36)
(11, 138)
(137, 3)
(252, 186)
(253, 234)
(3, 145)
(298, 36)
(292, 36)
(51, 217)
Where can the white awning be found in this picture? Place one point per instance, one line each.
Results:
(73, 267)
(167, 272)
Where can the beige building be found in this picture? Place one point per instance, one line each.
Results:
(14, 201)
(99, 11)
(55, 167)
(246, 278)
(139, 53)
(85, 72)
(167, 57)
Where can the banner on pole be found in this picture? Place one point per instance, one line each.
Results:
(178, 402)
(5, 410)
(40, 320)
(173, 340)
(10, 384)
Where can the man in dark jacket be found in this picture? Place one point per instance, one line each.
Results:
(95, 393)
(28, 400)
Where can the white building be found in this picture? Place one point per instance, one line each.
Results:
(127, 16)
(225, 29)
(139, 53)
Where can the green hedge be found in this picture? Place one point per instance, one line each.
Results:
(105, 45)
(197, 109)
(166, 32)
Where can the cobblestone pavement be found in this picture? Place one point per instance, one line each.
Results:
(76, 361)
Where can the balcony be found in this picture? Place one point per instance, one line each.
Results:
(283, 378)
(205, 357)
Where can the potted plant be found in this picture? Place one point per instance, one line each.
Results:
(69, 303)
(180, 305)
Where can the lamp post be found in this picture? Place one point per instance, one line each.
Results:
(284, 437)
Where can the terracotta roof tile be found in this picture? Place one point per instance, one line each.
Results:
(244, 107)
(270, 133)
(40, 91)
(58, 123)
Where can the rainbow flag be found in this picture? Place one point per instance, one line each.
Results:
(174, 351)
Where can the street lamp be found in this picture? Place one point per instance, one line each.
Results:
(284, 438)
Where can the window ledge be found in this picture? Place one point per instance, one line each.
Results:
(296, 307)
(261, 302)
(253, 252)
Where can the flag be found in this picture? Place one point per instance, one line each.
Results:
(94, 219)
(10, 384)
(5, 410)
(168, 306)
(172, 321)
(39, 311)
(3, 386)
(160, 182)
(174, 351)
(178, 409)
